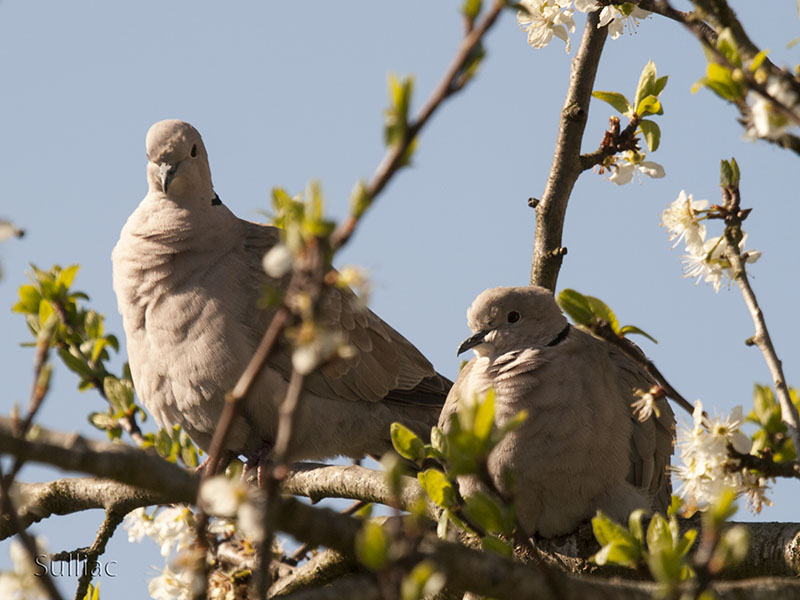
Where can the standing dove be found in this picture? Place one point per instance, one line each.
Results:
(581, 448)
(188, 277)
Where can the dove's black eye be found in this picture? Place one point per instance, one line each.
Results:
(194, 150)
(513, 316)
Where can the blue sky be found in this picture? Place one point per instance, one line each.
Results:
(287, 92)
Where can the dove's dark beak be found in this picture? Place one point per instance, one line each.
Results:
(472, 341)
(166, 172)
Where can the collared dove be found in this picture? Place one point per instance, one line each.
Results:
(188, 277)
(581, 448)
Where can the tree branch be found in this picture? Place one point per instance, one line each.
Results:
(447, 86)
(551, 209)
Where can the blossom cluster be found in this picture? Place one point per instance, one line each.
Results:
(766, 120)
(23, 582)
(705, 258)
(707, 470)
(237, 508)
(544, 19)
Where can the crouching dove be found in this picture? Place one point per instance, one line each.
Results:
(580, 449)
(188, 277)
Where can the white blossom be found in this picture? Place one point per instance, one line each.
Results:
(680, 220)
(646, 406)
(615, 17)
(545, 19)
(709, 262)
(22, 582)
(624, 169)
(277, 261)
(766, 120)
(223, 497)
(139, 525)
(324, 346)
(172, 527)
(171, 585)
(706, 469)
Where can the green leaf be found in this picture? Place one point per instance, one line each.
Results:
(423, 581)
(45, 311)
(484, 416)
(577, 306)
(647, 83)
(66, 276)
(619, 546)
(372, 545)
(727, 46)
(616, 100)
(75, 364)
(93, 324)
(439, 441)
(652, 134)
(633, 329)
(119, 394)
(484, 511)
(758, 59)
(92, 592)
(360, 199)
(659, 536)
(29, 298)
(406, 442)
(602, 311)
(471, 9)
(495, 545)
(659, 85)
(440, 490)
(685, 544)
(635, 525)
(102, 420)
(650, 105)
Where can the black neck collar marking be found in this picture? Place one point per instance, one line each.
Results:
(216, 201)
(561, 336)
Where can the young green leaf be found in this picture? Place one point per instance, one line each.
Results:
(406, 442)
(372, 546)
(652, 134)
(615, 99)
(438, 487)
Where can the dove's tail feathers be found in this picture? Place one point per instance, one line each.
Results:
(431, 391)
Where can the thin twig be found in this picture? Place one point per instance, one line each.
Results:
(708, 37)
(286, 422)
(761, 338)
(107, 529)
(551, 209)
(447, 86)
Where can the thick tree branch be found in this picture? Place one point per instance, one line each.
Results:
(551, 209)
(324, 568)
(779, 544)
(72, 452)
(317, 481)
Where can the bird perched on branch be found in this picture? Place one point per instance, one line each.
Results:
(188, 277)
(581, 448)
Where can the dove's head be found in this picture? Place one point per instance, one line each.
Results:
(503, 319)
(178, 162)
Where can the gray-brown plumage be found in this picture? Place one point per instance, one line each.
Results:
(188, 277)
(581, 448)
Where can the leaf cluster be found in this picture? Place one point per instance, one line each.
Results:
(646, 103)
(591, 313)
